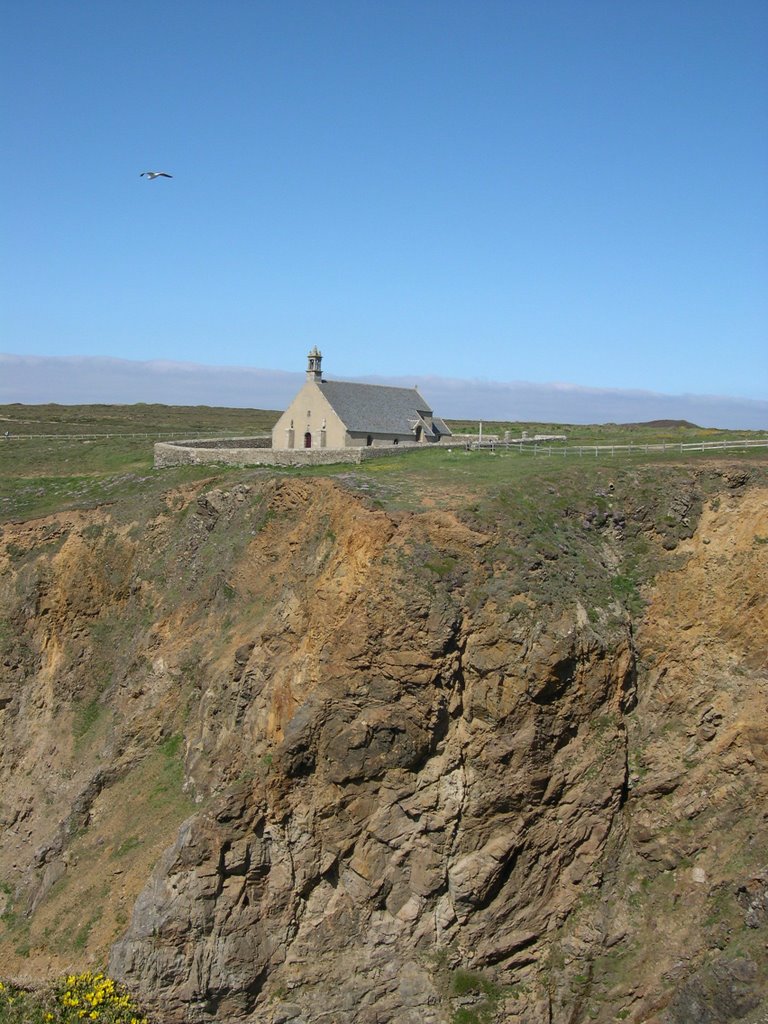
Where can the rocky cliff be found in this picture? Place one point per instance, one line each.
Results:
(286, 754)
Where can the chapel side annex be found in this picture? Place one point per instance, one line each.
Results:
(344, 414)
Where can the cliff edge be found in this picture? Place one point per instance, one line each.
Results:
(286, 754)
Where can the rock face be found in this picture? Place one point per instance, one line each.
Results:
(407, 787)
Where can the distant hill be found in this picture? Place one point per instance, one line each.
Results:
(665, 423)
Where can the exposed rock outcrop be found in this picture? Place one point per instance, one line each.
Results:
(341, 765)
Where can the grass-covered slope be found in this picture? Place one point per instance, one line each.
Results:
(49, 462)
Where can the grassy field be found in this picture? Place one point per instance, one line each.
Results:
(125, 419)
(61, 456)
(47, 464)
(654, 432)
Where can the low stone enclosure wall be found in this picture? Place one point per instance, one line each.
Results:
(258, 451)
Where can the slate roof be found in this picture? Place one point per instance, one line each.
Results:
(377, 409)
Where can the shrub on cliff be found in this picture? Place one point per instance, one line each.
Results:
(74, 999)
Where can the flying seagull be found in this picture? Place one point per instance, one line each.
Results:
(151, 175)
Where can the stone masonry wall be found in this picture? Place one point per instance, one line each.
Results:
(257, 451)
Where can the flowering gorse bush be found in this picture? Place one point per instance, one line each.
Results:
(75, 999)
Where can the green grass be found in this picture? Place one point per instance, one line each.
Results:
(170, 748)
(474, 984)
(61, 420)
(86, 716)
(550, 520)
(8, 916)
(82, 934)
(439, 475)
(43, 475)
(466, 982)
(654, 432)
(168, 777)
(126, 846)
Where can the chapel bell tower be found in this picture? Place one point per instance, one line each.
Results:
(314, 360)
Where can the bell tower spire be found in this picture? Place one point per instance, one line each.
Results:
(314, 359)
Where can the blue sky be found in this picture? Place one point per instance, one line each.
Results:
(521, 191)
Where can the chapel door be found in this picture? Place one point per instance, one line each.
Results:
(307, 440)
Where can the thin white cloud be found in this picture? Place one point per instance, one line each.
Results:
(77, 380)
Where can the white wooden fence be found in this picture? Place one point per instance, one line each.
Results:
(534, 448)
(90, 437)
